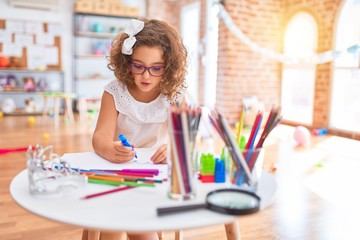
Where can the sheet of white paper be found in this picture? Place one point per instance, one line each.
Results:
(90, 160)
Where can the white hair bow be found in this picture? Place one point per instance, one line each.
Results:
(132, 29)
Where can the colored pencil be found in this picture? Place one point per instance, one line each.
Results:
(107, 192)
(254, 130)
(128, 170)
(9, 150)
(272, 121)
(114, 179)
(117, 183)
(241, 124)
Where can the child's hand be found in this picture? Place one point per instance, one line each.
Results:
(119, 153)
(160, 156)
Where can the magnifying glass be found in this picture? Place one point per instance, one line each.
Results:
(227, 201)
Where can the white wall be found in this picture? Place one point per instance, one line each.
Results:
(63, 16)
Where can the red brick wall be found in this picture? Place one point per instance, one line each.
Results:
(164, 10)
(242, 72)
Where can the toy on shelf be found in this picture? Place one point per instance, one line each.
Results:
(42, 85)
(97, 27)
(8, 106)
(101, 48)
(9, 83)
(29, 84)
(30, 105)
(3, 81)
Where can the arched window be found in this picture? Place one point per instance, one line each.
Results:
(298, 78)
(345, 97)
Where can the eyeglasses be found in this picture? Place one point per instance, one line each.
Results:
(155, 71)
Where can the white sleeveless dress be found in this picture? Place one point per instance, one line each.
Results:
(144, 124)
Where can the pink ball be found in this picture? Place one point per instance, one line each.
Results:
(302, 136)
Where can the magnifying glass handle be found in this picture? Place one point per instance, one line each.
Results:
(169, 210)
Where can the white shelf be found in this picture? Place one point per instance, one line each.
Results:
(90, 56)
(95, 35)
(54, 81)
(91, 73)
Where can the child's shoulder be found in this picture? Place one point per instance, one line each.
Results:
(115, 86)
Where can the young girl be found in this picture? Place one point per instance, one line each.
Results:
(149, 62)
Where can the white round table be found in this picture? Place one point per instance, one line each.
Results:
(132, 210)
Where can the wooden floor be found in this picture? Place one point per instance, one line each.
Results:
(317, 197)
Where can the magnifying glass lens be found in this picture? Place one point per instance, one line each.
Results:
(235, 200)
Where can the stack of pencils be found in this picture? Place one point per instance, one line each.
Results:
(183, 127)
(245, 163)
(127, 178)
(223, 128)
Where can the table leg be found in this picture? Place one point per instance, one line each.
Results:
(90, 234)
(56, 110)
(105, 235)
(161, 235)
(45, 107)
(69, 111)
(82, 109)
(232, 231)
(179, 235)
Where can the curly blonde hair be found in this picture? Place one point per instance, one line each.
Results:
(156, 33)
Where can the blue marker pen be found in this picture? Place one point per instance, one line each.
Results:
(125, 142)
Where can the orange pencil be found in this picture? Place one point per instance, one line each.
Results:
(113, 179)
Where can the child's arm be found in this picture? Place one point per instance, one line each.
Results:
(103, 138)
(160, 156)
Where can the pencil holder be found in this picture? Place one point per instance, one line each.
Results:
(254, 159)
(182, 165)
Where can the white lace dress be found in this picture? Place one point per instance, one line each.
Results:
(143, 124)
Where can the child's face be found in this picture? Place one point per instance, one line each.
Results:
(152, 57)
